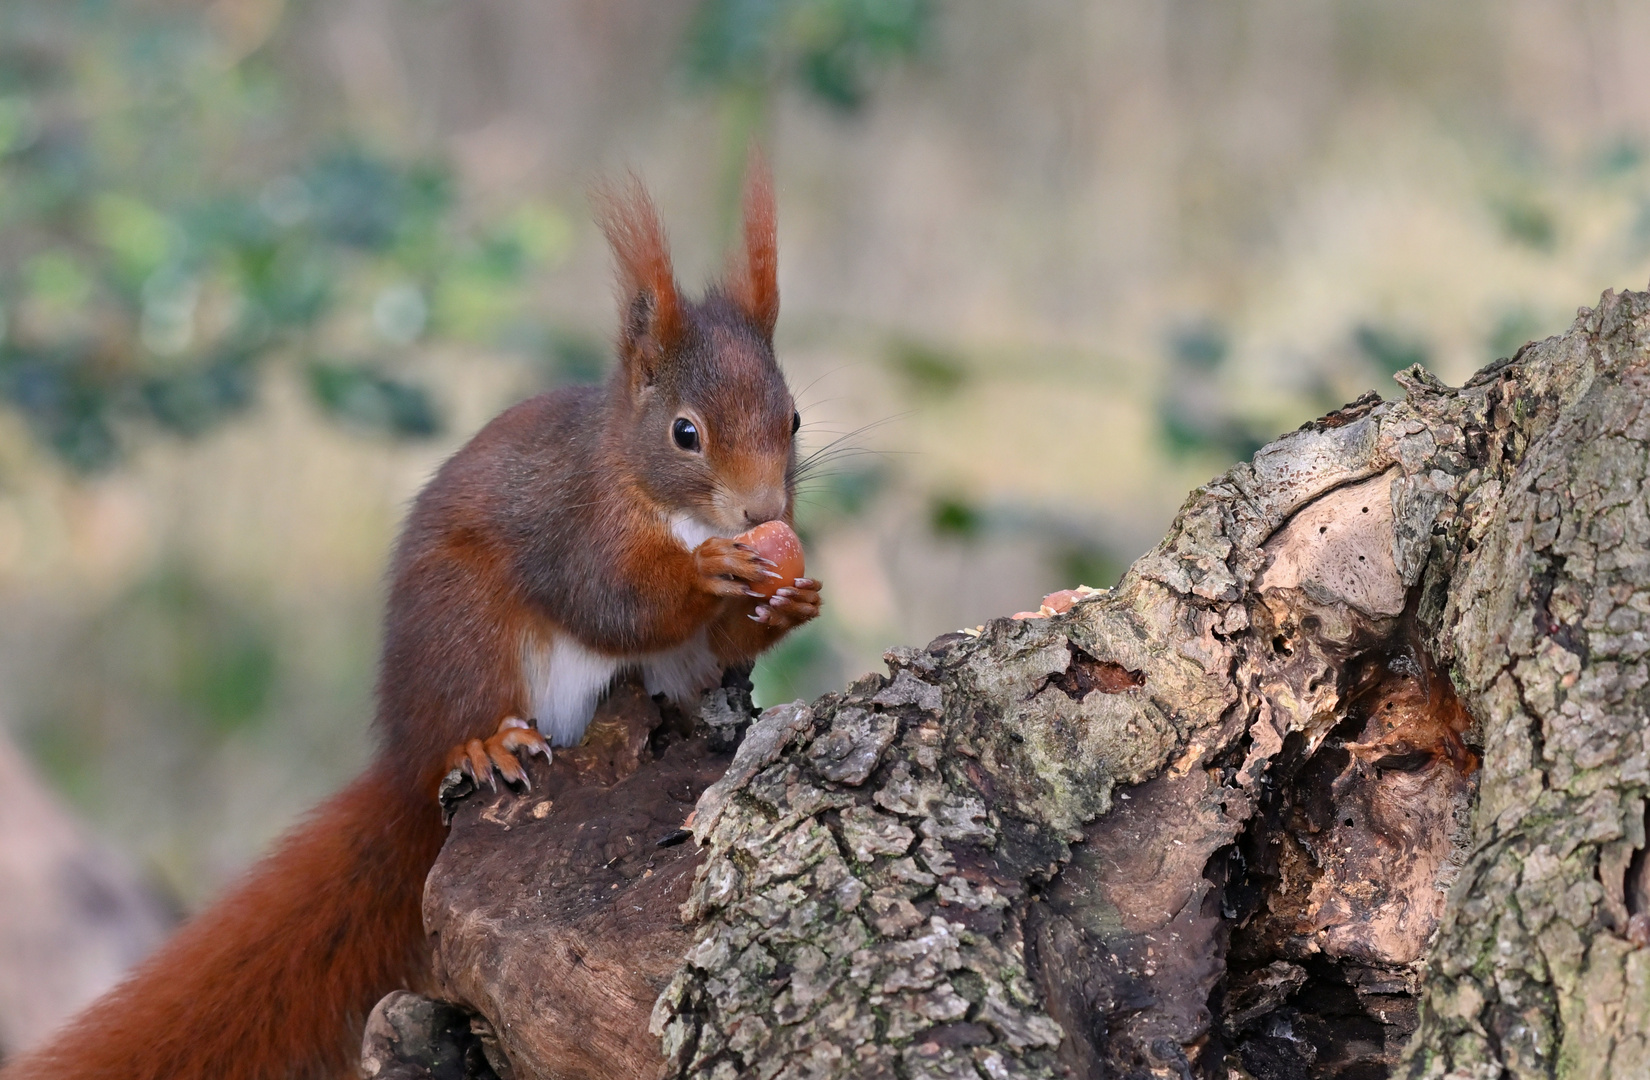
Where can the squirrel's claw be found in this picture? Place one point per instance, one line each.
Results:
(476, 764)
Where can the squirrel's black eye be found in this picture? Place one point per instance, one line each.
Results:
(796, 421)
(685, 434)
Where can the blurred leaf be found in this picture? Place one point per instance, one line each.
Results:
(846, 493)
(1186, 431)
(802, 665)
(1512, 330)
(145, 293)
(1194, 413)
(1087, 564)
(364, 201)
(1621, 158)
(179, 642)
(28, 67)
(65, 408)
(229, 680)
(577, 358)
(59, 280)
(543, 231)
(67, 750)
(830, 48)
(952, 516)
(1200, 345)
(360, 395)
(17, 123)
(500, 258)
(836, 496)
(133, 232)
(1390, 351)
(1638, 234)
(192, 402)
(469, 304)
(1527, 222)
(1182, 434)
(399, 313)
(927, 369)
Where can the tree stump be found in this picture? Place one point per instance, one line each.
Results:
(1345, 778)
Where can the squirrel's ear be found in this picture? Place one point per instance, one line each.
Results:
(650, 316)
(753, 277)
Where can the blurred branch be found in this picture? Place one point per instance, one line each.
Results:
(73, 918)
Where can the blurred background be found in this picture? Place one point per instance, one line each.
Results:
(1045, 267)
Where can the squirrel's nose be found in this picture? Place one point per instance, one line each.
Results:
(766, 508)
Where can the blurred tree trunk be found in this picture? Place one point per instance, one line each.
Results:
(73, 917)
(1230, 818)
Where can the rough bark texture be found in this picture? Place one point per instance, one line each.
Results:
(1212, 822)
(1540, 968)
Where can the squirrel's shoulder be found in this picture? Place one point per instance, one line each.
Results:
(546, 430)
(531, 449)
(551, 417)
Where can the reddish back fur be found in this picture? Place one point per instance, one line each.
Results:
(272, 982)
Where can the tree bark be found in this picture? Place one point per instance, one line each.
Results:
(1345, 778)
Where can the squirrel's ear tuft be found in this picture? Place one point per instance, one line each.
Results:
(753, 278)
(651, 320)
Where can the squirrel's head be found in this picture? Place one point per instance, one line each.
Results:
(700, 406)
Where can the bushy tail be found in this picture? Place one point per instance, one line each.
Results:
(276, 979)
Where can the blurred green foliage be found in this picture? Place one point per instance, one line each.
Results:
(169, 228)
(797, 666)
(1390, 350)
(955, 516)
(1199, 345)
(1516, 326)
(835, 496)
(831, 49)
(746, 51)
(1087, 563)
(174, 650)
(928, 370)
(364, 397)
(171, 223)
(1194, 412)
(1528, 221)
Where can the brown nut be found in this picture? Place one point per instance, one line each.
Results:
(776, 542)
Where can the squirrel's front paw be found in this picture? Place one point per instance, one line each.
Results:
(479, 759)
(790, 606)
(729, 568)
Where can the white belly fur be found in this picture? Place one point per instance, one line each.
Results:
(565, 680)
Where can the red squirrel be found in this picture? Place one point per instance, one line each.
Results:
(580, 534)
